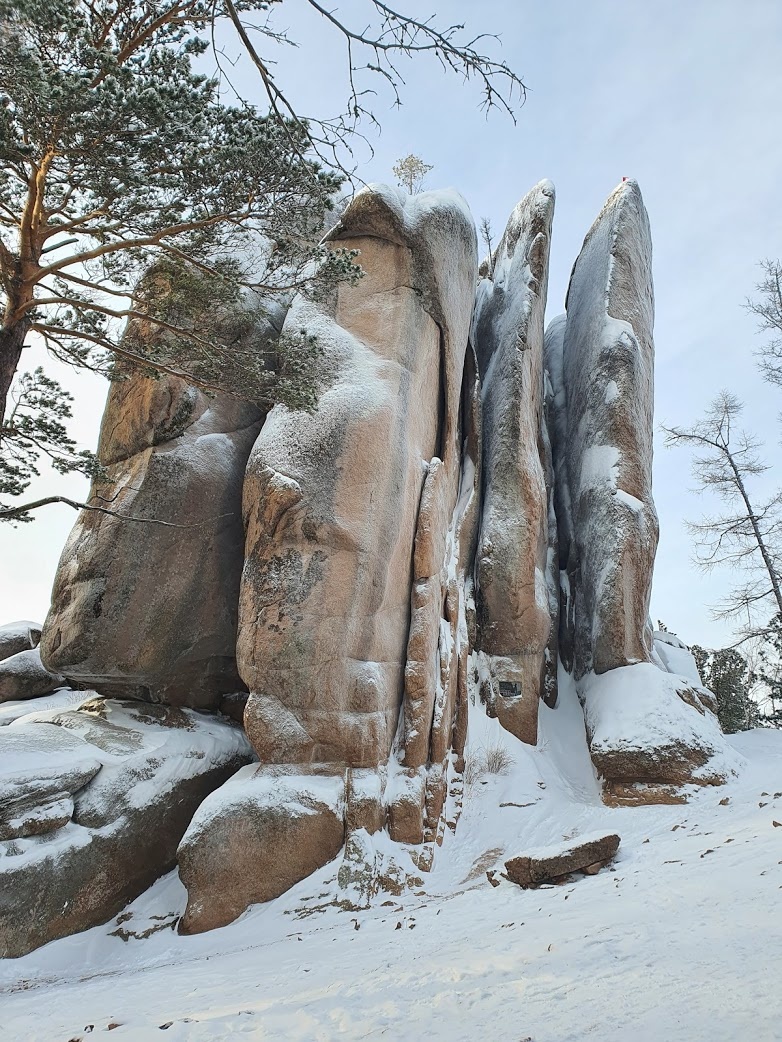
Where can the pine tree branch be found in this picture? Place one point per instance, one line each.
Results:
(10, 513)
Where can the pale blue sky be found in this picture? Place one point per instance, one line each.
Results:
(682, 96)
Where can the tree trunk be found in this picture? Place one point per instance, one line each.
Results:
(753, 520)
(11, 344)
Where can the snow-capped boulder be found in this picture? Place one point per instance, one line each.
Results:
(608, 378)
(93, 803)
(585, 853)
(18, 636)
(255, 837)
(516, 569)
(147, 610)
(332, 498)
(24, 676)
(646, 726)
(41, 769)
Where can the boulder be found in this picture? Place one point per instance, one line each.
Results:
(364, 802)
(148, 609)
(331, 498)
(675, 656)
(18, 636)
(405, 799)
(516, 569)
(607, 370)
(587, 854)
(254, 838)
(647, 726)
(93, 803)
(24, 676)
(42, 768)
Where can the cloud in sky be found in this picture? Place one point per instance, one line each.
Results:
(682, 97)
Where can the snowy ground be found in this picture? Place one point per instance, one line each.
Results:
(680, 942)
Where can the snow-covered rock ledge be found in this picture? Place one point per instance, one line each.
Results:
(93, 803)
(648, 726)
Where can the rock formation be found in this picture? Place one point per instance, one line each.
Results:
(588, 854)
(332, 498)
(607, 371)
(18, 636)
(92, 806)
(149, 610)
(516, 572)
(254, 838)
(468, 507)
(23, 676)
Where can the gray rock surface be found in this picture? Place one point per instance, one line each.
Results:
(516, 569)
(18, 636)
(608, 376)
(93, 803)
(24, 676)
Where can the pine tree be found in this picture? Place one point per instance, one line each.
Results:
(727, 674)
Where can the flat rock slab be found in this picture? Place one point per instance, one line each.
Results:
(93, 803)
(549, 863)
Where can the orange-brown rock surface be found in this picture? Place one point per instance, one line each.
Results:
(254, 838)
(332, 498)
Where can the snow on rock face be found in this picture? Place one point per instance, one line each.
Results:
(92, 805)
(24, 676)
(143, 610)
(331, 499)
(603, 432)
(62, 698)
(18, 636)
(556, 416)
(253, 838)
(648, 726)
(514, 619)
(676, 656)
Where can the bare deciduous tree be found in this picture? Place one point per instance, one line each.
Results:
(747, 534)
(768, 308)
(487, 236)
